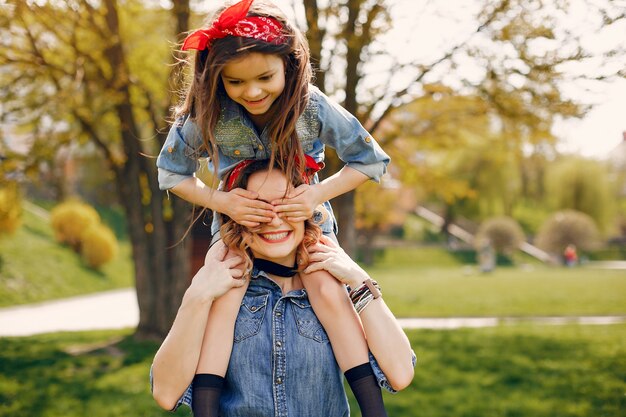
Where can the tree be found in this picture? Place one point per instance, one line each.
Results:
(95, 72)
(503, 233)
(516, 52)
(568, 227)
(583, 185)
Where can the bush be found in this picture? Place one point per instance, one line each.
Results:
(568, 227)
(99, 245)
(503, 233)
(70, 219)
(10, 208)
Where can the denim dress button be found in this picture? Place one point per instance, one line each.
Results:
(279, 380)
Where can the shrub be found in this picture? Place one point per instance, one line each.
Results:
(10, 208)
(70, 219)
(503, 233)
(568, 227)
(99, 245)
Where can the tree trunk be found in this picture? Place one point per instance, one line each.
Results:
(161, 265)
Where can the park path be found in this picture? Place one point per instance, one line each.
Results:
(118, 309)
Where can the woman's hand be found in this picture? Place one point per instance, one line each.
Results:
(219, 273)
(299, 204)
(243, 207)
(326, 254)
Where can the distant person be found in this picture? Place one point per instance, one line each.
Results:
(570, 255)
(486, 256)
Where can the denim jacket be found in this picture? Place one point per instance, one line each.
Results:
(282, 363)
(323, 123)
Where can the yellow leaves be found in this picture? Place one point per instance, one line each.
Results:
(10, 208)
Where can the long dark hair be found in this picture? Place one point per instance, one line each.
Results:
(202, 99)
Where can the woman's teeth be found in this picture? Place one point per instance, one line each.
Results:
(275, 236)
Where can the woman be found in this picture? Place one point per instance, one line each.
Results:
(281, 363)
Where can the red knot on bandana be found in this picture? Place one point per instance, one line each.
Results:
(234, 22)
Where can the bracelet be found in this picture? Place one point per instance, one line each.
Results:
(362, 295)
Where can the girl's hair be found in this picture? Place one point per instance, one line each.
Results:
(236, 236)
(206, 89)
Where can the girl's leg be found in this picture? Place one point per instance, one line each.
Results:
(333, 308)
(215, 353)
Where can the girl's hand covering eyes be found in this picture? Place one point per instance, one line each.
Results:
(243, 207)
(299, 203)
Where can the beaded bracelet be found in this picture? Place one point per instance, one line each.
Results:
(364, 294)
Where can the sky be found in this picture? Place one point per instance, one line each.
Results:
(601, 130)
(595, 135)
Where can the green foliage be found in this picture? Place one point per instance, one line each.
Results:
(57, 272)
(568, 227)
(10, 208)
(69, 221)
(530, 216)
(99, 245)
(503, 233)
(583, 185)
(377, 207)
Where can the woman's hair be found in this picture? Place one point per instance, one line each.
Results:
(206, 89)
(236, 236)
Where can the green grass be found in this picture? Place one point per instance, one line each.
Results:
(513, 371)
(462, 291)
(33, 267)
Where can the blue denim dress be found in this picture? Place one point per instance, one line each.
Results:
(323, 123)
(282, 363)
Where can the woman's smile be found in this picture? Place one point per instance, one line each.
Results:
(275, 237)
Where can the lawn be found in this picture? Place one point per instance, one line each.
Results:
(33, 267)
(534, 371)
(534, 291)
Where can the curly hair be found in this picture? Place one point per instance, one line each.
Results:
(203, 95)
(236, 236)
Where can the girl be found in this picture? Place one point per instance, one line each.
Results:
(300, 376)
(250, 98)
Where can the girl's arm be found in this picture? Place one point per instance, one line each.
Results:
(385, 337)
(178, 161)
(175, 362)
(299, 204)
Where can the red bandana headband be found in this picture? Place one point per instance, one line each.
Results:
(235, 22)
(310, 168)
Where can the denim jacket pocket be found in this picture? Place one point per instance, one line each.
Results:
(306, 321)
(238, 150)
(250, 316)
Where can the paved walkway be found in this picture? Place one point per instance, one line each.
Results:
(118, 309)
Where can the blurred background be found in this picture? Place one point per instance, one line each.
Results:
(505, 200)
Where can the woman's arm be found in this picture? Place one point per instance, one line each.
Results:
(385, 337)
(175, 362)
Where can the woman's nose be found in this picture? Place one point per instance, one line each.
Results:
(276, 221)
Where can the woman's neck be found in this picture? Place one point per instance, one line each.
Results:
(288, 284)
